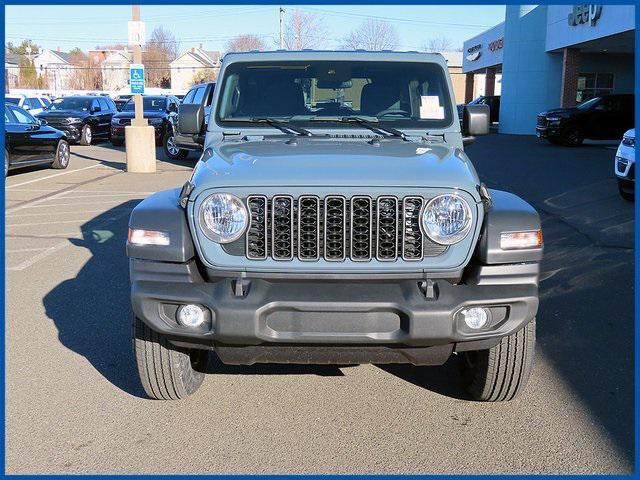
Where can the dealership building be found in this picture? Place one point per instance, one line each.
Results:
(546, 56)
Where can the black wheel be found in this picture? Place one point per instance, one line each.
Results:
(63, 153)
(167, 372)
(501, 372)
(87, 135)
(171, 150)
(572, 136)
(626, 194)
(117, 143)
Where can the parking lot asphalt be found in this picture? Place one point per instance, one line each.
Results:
(74, 404)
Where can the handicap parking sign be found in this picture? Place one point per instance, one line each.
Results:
(136, 78)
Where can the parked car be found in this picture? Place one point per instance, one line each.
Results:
(121, 101)
(84, 119)
(178, 144)
(33, 104)
(303, 236)
(601, 118)
(28, 141)
(625, 165)
(492, 101)
(156, 110)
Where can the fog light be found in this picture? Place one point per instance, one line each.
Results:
(191, 316)
(475, 317)
(521, 240)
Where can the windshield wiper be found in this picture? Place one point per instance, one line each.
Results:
(282, 125)
(371, 125)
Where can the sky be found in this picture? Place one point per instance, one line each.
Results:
(69, 26)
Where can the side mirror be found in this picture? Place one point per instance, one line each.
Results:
(190, 119)
(475, 120)
(96, 109)
(172, 107)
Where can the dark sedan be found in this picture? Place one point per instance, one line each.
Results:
(156, 110)
(84, 119)
(28, 141)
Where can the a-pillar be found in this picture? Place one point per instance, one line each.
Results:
(570, 72)
(468, 87)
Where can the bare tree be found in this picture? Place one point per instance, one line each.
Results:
(437, 44)
(304, 30)
(160, 51)
(245, 43)
(372, 35)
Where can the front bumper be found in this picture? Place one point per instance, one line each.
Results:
(117, 132)
(548, 131)
(73, 132)
(334, 321)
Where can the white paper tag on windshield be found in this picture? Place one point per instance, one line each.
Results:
(430, 107)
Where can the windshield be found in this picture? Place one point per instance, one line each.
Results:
(15, 101)
(71, 103)
(149, 104)
(589, 103)
(402, 94)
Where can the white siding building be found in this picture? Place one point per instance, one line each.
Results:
(191, 65)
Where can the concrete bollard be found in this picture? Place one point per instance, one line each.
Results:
(141, 149)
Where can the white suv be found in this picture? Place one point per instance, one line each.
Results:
(624, 166)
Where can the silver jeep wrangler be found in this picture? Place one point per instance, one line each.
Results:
(334, 218)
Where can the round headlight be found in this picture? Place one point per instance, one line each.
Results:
(447, 219)
(223, 217)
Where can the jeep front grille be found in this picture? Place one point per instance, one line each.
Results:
(336, 228)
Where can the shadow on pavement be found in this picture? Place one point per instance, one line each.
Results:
(92, 311)
(586, 318)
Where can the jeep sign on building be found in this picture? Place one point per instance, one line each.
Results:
(554, 56)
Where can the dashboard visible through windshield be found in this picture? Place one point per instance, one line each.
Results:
(401, 94)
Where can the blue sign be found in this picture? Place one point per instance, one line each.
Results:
(136, 78)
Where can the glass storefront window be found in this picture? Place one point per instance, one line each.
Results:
(592, 85)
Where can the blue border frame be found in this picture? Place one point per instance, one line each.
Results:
(316, 2)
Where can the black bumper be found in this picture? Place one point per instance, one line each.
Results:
(546, 132)
(72, 132)
(334, 321)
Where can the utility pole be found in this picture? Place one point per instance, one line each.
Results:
(139, 137)
(281, 32)
(139, 119)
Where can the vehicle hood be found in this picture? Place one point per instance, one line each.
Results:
(298, 161)
(560, 112)
(146, 115)
(63, 114)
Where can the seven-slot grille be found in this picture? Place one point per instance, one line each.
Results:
(335, 228)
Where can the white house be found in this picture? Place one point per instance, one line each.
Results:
(55, 66)
(191, 64)
(115, 69)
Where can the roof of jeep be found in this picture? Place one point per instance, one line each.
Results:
(328, 55)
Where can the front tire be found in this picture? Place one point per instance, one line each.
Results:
(167, 372)
(87, 135)
(572, 136)
(500, 373)
(170, 148)
(63, 153)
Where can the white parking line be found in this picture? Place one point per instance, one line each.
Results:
(53, 222)
(52, 176)
(74, 212)
(42, 255)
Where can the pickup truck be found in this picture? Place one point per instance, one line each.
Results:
(334, 218)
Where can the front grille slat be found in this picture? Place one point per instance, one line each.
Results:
(361, 218)
(336, 228)
(282, 227)
(411, 232)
